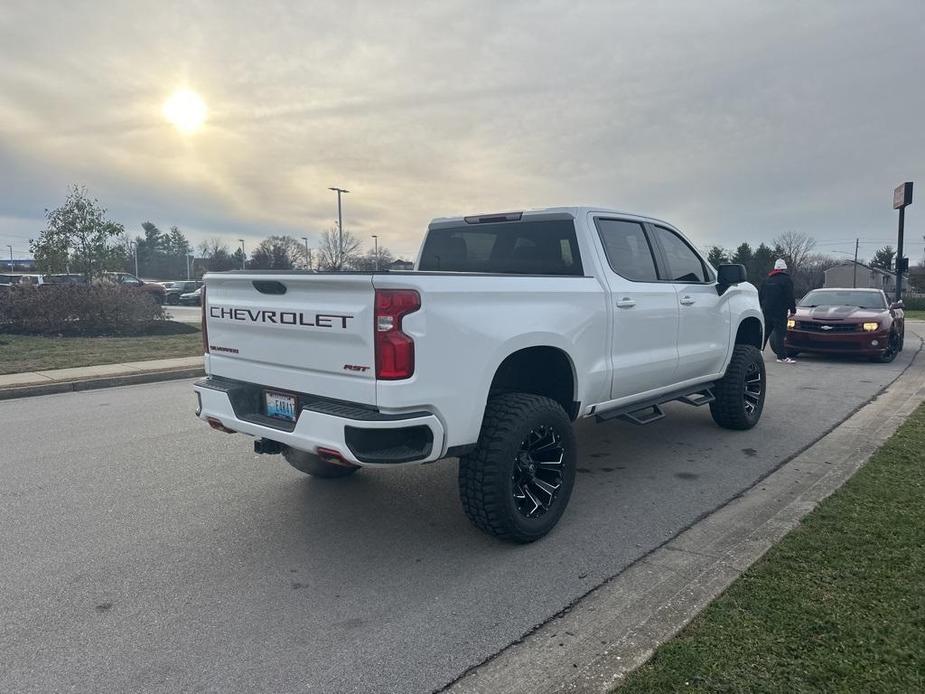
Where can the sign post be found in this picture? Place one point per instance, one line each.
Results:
(902, 198)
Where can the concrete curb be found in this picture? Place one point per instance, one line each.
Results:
(102, 382)
(615, 628)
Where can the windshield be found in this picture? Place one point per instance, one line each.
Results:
(518, 248)
(847, 297)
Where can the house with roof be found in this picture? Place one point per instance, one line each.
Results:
(851, 274)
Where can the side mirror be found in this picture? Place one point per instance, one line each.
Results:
(898, 304)
(728, 275)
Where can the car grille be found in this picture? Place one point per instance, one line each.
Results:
(827, 328)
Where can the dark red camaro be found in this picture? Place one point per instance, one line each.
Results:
(847, 321)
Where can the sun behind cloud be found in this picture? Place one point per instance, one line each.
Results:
(186, 110)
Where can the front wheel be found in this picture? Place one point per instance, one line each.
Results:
(517, 482)
(894, 345)
(741, 391)
(311, 464)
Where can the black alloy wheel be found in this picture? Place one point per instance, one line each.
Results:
(753, 390)
(537, 475)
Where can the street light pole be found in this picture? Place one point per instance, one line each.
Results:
(243, 255)
(856, 243)
(340, 228)
(376, 251)
(135, 253)
(308, 254)
(11, 260)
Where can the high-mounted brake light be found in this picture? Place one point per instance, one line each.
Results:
(205, 330)
(492, 218)
(394, 349)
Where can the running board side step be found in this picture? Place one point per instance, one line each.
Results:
(649, 412)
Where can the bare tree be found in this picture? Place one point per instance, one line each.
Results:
(367, 262)
(795, 247)
(278, 253)
(330, 257)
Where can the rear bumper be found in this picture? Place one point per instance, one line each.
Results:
(361, 434)
(860, 343)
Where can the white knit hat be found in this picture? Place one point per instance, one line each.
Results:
(780, 264)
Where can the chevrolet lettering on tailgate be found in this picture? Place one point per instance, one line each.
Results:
(310, 320)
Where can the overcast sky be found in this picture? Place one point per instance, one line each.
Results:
(733, 120)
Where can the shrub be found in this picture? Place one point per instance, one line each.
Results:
(77, 310)
(916, 303)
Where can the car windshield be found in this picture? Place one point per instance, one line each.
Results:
(847, 297)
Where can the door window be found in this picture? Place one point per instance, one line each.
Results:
(684, 265)
(627, 249)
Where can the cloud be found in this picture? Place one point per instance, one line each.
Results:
(733, 120)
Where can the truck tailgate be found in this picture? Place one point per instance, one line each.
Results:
(302, 332)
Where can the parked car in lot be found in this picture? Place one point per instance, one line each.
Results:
(41, 280)
(511, 327)
(177, 289)
(847, 321)
(153, 289)
(192, 298)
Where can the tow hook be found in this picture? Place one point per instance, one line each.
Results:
(267, 447)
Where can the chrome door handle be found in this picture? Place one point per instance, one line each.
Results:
(687, 301)
(626, 302)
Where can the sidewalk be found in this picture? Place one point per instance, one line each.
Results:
(103, 376)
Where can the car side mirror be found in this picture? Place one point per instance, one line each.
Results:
(729, 275)
(898, 304)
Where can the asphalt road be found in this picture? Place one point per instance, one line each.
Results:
(144, 552)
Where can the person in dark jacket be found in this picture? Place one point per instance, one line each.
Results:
(777, 301)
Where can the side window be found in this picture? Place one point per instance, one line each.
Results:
(627, 249)
(683, 264)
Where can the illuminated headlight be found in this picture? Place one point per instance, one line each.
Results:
(871, 327)
(791, 324)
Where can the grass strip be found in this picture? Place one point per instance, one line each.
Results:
(837, 606)
(20, 353)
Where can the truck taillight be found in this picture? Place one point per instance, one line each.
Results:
(394, 349)
(205, 330)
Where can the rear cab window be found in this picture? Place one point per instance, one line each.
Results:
(627, 249)
(528, 247)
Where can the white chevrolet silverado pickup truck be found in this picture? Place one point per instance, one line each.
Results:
(511, 327)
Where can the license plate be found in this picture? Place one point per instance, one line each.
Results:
(280, 405)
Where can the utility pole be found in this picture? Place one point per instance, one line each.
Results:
(11, 260)
(856, 243)
(340, 228)
(243, 255)
(902, 198)
(135, 253)
(376, 251)
(188, 274)
(308, 254)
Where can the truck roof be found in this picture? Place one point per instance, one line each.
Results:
(540, 213)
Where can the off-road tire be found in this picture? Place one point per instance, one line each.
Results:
(487, 474)
(311, 464)
(729, 408)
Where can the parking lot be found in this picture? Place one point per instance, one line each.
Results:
(145, 551)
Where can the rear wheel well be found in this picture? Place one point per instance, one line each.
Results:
(539, 370)
(750, 333)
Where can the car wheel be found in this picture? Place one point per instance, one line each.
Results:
(741, 391)
(893, 346)
(517, 482)
(311, 464)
